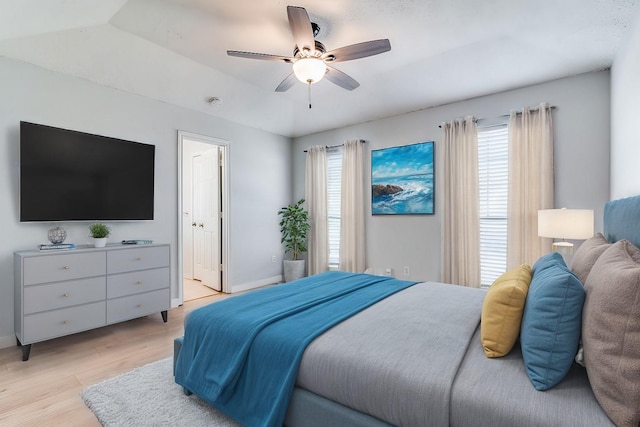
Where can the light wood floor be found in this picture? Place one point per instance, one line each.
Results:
(194, 289)
(45, 390)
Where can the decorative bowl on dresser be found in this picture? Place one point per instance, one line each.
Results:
(59, 293)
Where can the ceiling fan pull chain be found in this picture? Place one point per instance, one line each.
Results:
(309, 94)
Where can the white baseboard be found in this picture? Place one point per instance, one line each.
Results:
(9, 341)
(254, 285)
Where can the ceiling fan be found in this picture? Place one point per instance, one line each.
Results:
(310, 58)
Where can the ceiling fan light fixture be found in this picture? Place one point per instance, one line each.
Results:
(310, 57)
(309, 70)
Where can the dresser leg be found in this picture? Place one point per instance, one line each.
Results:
(26, 349)
(164, 315)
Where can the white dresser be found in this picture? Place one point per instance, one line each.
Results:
(59, 293)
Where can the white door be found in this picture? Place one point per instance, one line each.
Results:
(206, 218)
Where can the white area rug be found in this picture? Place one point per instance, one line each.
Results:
(148, 396)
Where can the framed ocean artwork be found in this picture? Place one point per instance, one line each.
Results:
(402, 180)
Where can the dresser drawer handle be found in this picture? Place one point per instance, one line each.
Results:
(139, 282)
(139, 305)
(66, 295)
(66, 322)
(66, 267)
(139, 258)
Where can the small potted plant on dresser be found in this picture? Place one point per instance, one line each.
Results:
(99, 232)
(294, 225)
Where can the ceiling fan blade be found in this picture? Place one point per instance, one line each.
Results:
(287, 83)
(359, 50)
(263, 56)
(301, 27)
(341, 79)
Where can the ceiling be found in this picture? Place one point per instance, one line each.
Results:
(441, 51)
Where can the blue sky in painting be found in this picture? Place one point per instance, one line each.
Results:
(415, 159)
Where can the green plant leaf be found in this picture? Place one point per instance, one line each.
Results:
(294, 226)
(99, 231)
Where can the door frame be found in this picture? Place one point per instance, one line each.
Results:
(225, 215)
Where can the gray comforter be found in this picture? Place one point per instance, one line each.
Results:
(415, 359)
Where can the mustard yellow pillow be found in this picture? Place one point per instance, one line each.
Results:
(502, 311)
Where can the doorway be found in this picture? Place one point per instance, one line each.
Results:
(202, 228)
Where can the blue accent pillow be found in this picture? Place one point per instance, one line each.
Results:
(552, 259)
(551, 322)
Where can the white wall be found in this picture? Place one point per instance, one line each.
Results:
(625, 111)
(582, 127)
(260, 172)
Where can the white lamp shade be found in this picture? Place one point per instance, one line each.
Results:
(565, 223)
(309, 70)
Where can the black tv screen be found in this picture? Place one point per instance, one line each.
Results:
(67, 175)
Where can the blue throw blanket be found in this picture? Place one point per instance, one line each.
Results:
(242, 354)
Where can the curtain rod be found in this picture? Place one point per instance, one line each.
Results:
(553, 107)
(338, 145)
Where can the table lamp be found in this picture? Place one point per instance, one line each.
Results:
(574, 224)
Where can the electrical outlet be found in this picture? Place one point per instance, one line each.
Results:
(274, 258)
(406, 270)
(388, 271)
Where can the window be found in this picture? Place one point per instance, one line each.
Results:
(334, 190)
(493, 171)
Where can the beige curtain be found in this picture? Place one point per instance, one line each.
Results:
(461, 222)
(531, 182)
(316, 202)
(352, 203)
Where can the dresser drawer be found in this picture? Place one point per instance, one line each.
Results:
(138, 258)
(63, 294)
(56, 268)
(123, 284)
(138, 305)
(56, 323)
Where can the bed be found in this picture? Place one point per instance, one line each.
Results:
(414, 354)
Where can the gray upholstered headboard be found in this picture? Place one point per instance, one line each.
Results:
(622, 220)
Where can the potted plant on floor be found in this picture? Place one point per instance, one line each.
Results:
(294, 225)
(99, 232)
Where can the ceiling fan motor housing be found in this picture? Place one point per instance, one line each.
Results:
(317, 53)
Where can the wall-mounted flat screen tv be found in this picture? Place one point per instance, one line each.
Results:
(67, 175)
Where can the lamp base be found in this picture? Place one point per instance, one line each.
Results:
(565, 249)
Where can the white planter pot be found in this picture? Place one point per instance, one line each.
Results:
(293, 269)
(100, 242)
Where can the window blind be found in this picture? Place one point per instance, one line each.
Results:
(334, 190)
(493, 174)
